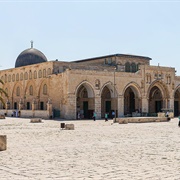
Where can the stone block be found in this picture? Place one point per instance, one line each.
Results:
(36, 120)
(3, 142)
(69, 126)
(123, 121)
(2, 116)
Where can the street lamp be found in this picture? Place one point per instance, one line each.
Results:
(114, 94)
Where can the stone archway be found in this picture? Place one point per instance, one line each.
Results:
(108, 100)
(155, 100)
(177, 102)
(131, 101)
(85, 102)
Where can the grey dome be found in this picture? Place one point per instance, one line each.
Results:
(30, 56)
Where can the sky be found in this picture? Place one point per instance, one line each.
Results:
(74, 30)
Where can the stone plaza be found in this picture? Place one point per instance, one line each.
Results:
(93, 150)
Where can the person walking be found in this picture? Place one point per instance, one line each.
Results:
(113, 114)
(179, 121)
(94, 115)
(106, 117)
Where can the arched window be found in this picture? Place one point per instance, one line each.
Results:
(127, 67)
(9, 78)
(17, 77)
(45, 89)
(35, 74)
(5, 78)
(18, 91)
(30, 75)
(21, 76)
(13, 77)
(44, 73)
(31, 90)
(25, 75)
(49, 71)
(40, 74)
(133, 67)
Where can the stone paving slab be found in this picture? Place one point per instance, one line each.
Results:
(94, 150)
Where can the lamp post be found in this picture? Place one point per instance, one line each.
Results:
(114, 94)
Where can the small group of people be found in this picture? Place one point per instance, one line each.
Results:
(105, 116)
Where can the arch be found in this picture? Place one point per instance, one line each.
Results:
(85, 102)
(135, 87)
(132, 99)
(109, 96)
(176, 96)
(162, 86)
(110, 86)
(158, 97)
(42, 98)
(89, 88)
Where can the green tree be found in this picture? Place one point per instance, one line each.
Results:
(2, 91)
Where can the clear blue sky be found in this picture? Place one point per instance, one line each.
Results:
(72, 30)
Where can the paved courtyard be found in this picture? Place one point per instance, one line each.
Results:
(94, 150)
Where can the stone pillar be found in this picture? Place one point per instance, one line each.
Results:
(49, 108)
(20, 105)
(70, 107)
(97, 107)
(34, 105)
(3, 142)
(145, 105)
(7, 105)
(171, 103)
(120, 106)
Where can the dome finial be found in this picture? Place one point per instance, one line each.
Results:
(31, 43)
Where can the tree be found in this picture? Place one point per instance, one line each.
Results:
(2, 92)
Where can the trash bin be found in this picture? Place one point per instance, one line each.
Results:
(62, 125)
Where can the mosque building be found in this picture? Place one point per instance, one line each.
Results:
(122, 83)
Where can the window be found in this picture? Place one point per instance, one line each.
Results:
(25, 75)
(49, 71)
(5, 78)
(133, 67)
(35, 74)
(13, 77)
(45, 89)
(9, 78)
(18, 91)
(17, 77)
(40, 74)
(127, 67)
(30, 75)
(21, 76)
(31, 90)
(44, 73)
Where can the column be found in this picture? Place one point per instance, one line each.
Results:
(97, 107)
(145, 107)
(49, 108)
(70, 107)
(120, 106)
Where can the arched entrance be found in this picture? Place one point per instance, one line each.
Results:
(155, 100)
(108, 101)
(131, 101)
(177, 102)
(84, 102)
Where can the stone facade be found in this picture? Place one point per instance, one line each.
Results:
(125, 84)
